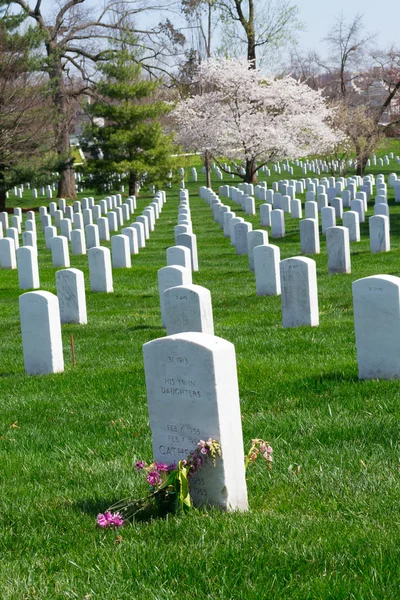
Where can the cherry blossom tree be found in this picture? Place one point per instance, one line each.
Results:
(242, 115)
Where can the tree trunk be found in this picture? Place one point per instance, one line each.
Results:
(3, 200)
(251, 171)
(132, 184)
(361, 164)
(251, 50)
(207, 164)
(66, 183)
(251, 37)
(3, 192)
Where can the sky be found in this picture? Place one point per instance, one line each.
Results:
(319, 15)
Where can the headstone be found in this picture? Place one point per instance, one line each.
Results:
(131, 233)
(28, 270)
(376, 303)
(309, 236)
(58, 215)
(257, 237)
(4, 220)
(232, 224)
(140, 234)
(12, 233)
(179, 255)
(266, 268)
(78, 221)
(112, 221)
(28, 238)
(189, 240)
(70, 284)
(78, 242)
(100, 272)
(277, 223)
(299, 292)
(120, 252)
(144, 219)
(7, 254)
(296, 210)
(338, 250)
(92, 236)
(66, 227)
(59, 251)
(337, 204)
(87, 216)
(171, 277)
(311, 209)
(201, 369)
(379, 237)
(188, 308)
(357, 205)
(328, 218)
(242, 230)
(49, 233)
(41, 333)
(265, 214)
(104, 232)
(351, 221)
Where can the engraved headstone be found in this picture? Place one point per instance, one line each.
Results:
(171, 277)
(70, 284)
(299, 292)
(188, 308)
(193, 395)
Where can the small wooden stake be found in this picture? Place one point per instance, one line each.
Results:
(71, 337)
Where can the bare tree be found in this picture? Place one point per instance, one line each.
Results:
(259, 24)
(348, 46)
(26, 133)
(199, 15)
(76, 38)
(387, 69)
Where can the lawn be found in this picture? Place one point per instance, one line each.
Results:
(324, 523)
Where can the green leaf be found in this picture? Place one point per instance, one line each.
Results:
(184, 495)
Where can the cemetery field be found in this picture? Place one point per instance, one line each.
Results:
(323, 523)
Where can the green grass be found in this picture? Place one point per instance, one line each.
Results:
(328, 530)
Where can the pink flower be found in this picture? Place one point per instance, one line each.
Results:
(140, 465)
(154, 478)
(102, 520)
(162, 467)
(109, 520)
(117, 520)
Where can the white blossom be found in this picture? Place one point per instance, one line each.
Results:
(242, 115)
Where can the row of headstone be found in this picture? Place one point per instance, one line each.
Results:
(41, 316)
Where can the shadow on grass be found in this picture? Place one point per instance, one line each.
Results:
(148, 513)
(330, 377)
(143, 327)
